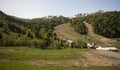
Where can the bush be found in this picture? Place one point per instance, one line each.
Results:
(55, 45)
(37, 44)
(80, 44)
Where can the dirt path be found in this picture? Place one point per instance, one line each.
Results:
(98, 37)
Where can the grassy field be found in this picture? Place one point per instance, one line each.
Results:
(20, 66)
(25, 58)
(26, 53)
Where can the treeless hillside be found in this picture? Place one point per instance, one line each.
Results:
(66, 31)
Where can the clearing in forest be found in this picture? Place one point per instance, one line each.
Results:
(66, 31)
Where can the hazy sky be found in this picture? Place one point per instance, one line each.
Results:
(40, 8)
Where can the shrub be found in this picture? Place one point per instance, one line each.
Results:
(80, 44)
(55, 45)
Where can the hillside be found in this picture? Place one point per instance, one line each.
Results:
(103, 28)
(66, 31)
(100, 38)
(105, 23)
(37, 32)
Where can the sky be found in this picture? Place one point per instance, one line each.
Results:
(68, 8)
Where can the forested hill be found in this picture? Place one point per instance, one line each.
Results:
(36, 32)
(104, 23)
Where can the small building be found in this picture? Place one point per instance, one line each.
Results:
(70, 43)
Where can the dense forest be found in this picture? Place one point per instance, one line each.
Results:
(37, 32)
(104, 23)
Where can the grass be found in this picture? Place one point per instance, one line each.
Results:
(66, 31)
(21, 58)
(26, 53)
(20, 66)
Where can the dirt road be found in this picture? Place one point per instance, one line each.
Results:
(109, 53)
